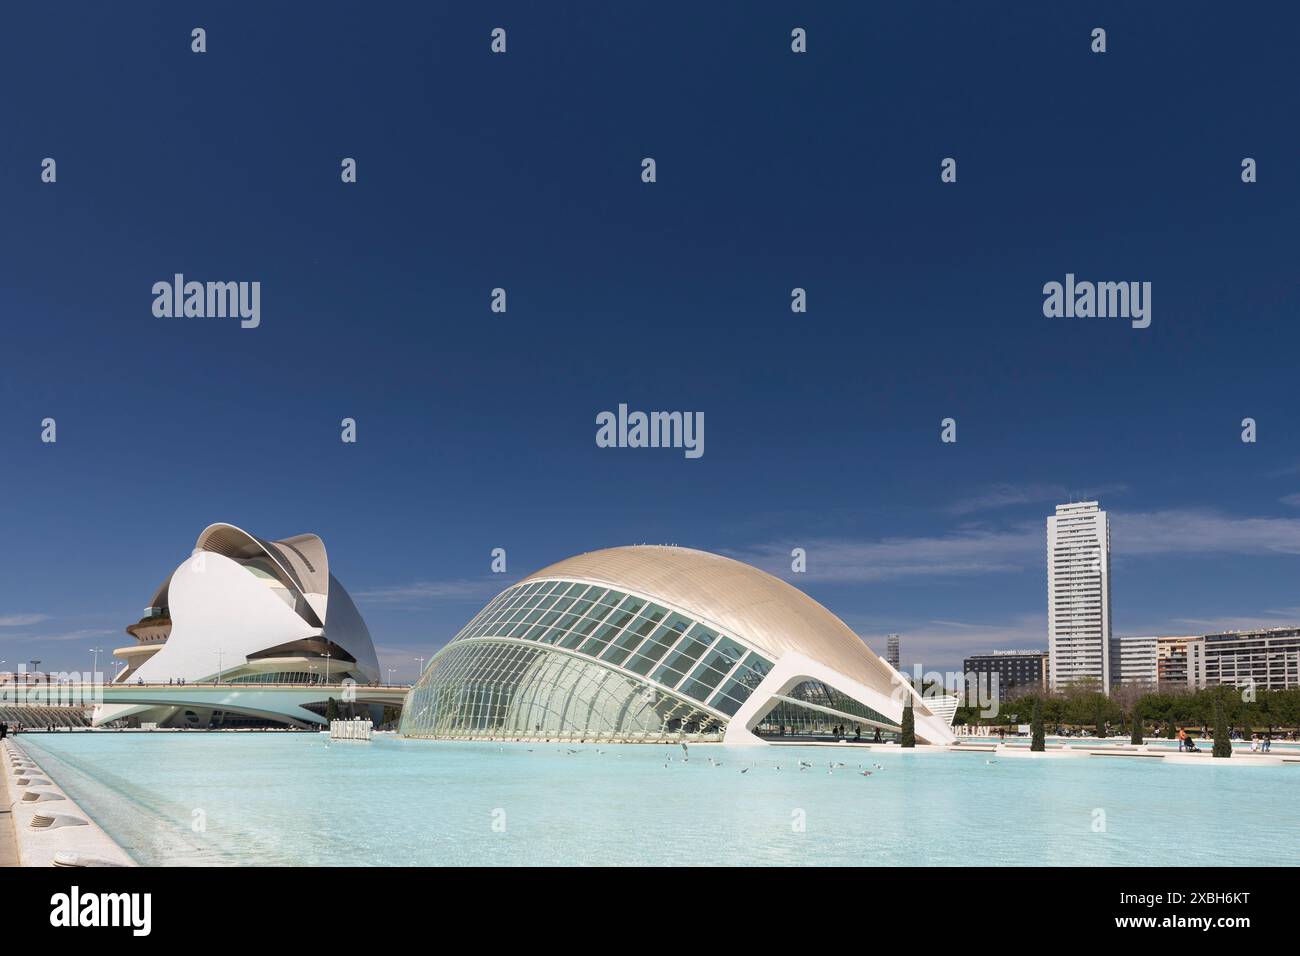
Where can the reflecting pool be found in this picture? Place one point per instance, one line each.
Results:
(272, 798)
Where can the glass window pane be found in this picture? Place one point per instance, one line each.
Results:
(680, 661)
(551, 636)
(727, 705)
(603, 635)
(628, 641)
(665, 637)
(698, 685)
(755, 668)
(723, 655)
(639, 665)
(575, 637)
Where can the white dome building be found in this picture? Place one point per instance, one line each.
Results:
(242, 610)
(647, 643)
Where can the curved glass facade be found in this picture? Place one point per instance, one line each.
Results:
(815, 709)
(563, 658)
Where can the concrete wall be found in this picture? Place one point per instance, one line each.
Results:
(71, 838)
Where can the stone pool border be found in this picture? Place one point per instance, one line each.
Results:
(74, 839)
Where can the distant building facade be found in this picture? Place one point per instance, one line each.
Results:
(1078, 595)
(1267, 659)
(1171, 660)
(1135, 660)
(1007, 670)
(891, 650)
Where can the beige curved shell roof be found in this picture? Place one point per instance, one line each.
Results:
(302, 558)
(764, 610)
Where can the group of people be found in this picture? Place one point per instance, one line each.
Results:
(1260, 743)
(1186, 741)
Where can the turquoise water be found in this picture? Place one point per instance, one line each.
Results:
(299, 799)
(1280, 747)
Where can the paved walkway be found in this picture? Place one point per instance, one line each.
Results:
(8, 845)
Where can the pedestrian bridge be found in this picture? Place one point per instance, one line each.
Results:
(281, 702)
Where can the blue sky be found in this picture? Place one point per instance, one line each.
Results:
(775, 170)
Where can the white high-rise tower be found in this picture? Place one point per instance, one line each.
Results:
(1078, 594)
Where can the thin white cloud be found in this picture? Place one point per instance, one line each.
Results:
(943, 645)
(966, 551)
(423, 594)
(1202, 532)
(1292, 500)
(79, 634)
(1007, 495)
(1180, 626)
(22, 620)
(980, 549)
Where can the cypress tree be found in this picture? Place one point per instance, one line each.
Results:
(1222, 745)
(1136, 738)
(1036, 741)
(1101, 721)
(909, 727)
(1170, 734)
(331, 709)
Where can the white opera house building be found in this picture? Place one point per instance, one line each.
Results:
(651, 643)
(245, 611)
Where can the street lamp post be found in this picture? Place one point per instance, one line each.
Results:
(219, 665)
(94, 668)
(421, 670)
(327, 667)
